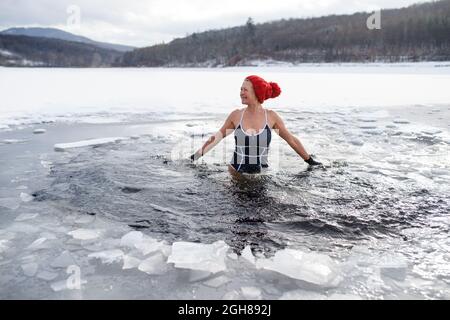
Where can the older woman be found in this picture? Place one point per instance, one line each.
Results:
(252, 127)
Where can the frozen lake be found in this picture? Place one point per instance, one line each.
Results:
(138, 221)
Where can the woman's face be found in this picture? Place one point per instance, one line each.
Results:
(247, 94)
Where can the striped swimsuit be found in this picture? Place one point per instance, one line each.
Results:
(251, 152)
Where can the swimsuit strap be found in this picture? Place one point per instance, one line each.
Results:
(242, 116)
(265, 112)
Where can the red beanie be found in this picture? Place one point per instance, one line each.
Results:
(264, 90)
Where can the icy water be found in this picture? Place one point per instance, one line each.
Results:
(373, 223)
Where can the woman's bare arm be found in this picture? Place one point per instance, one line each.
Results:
(226, 129)
(292, 140)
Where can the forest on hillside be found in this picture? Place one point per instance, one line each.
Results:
(416, 33)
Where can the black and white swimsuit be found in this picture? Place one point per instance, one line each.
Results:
(251, 152)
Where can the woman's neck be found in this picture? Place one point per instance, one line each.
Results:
(254, 107)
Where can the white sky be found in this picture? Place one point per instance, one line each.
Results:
(146, 22)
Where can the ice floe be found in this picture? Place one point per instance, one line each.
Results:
(85, 234)
(38, 244)
(311, 267)
(25, 197)
(26, 216)
(217, 281)
(199, 256)
(154, 265)
(30, 269)
(87, 143)
(248, 256)
(46, 275)
(131, 239)
(251, 293)
(9, 203)
(64, 260)
(393, 266)
(130, 262)
(108, 256)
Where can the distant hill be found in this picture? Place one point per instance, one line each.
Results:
(416, 33)
(63, 35)
(48, 52)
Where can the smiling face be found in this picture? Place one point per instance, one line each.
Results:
(248, 94)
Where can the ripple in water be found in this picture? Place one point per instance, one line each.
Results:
(135, 184)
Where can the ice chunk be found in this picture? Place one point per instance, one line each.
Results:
(9, 203)
(37, 131)
(22, 187)
(26, 216)
(130, 262)
(3, 245)
(85, 234)
(38, 244)
(30, 269)
(108, 256)
(46, 275)
(131, 239)
(84, 219)
(251, 293)
(217, 281)
(231, 295)
(86, 143)
(199, 256)
(197, 275)
(232, 256)
(247, 255)
(155, 264)
(393, 266)
(64, 260)
(11, 141)
(302, 295)
(22, 227)
(26, 197)
(59, 285)
(314, 268)
(149, 245)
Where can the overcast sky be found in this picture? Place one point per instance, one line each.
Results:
(146, 22)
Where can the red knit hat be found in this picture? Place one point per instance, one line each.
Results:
(264, 90)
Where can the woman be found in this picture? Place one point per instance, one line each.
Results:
(252, 127)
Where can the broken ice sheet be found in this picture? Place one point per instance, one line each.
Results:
(199, 256)
(64, 260)
(38, 244)
(251, 293)
(131, 239)
(46, 275)
(217, 281)
(26, 216)
(108, 256)
(311, 267)
(9, 203)
(130, 262)
(154, 265)
(25, 197)
(30, 269)
(247, 255)
(85, 234)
